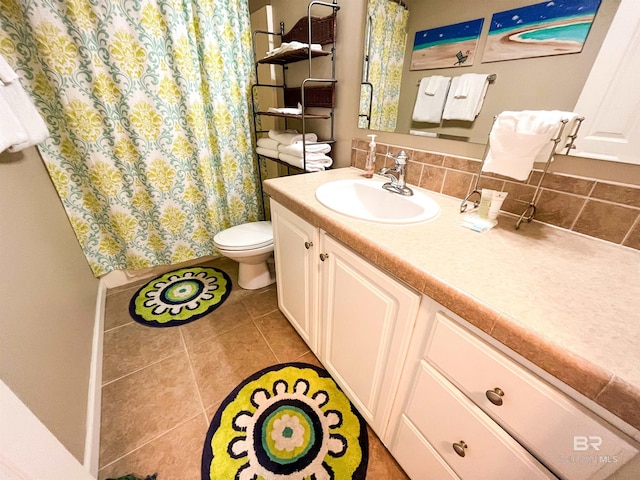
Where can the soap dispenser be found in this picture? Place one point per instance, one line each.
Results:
(370, 164)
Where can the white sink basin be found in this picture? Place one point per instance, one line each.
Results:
(365, 199)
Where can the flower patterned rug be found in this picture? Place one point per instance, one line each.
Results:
(286, 422)
(180, 296)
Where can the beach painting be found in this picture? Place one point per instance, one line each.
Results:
(449, 46)
(555, 27)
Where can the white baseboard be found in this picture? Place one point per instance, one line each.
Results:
(92, 440)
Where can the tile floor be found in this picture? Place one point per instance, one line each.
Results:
(162, 386)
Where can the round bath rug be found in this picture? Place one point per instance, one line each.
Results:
(286, 422)
(180, 296)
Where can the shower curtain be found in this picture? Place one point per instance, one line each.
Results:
(147, 105)
(386, 48)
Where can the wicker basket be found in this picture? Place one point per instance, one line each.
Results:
(314, 96)
(323, 30)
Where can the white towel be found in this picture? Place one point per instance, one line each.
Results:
(269, 143)
(428, 107)
(464, 87)
(11, 131)
(311, 166)
(287, 137)
(287, 110)
(466, 104)
(267, 152)
(310, 148)
(7, 75)
(519, 139)
(21, 125)
(290, 46)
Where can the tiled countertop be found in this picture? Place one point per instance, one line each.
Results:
(569, 304)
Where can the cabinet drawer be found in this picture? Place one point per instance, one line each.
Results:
(489, 452)
(417, 457)
(550, 425)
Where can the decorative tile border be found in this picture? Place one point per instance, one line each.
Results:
(608, 211)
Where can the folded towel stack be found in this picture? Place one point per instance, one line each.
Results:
(21, 125)
(519, 139)
(287, 146)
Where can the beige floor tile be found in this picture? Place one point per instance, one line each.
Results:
(309, 357)
(231, 314)
(141, 406)
(224, 361)
(117, 308)
(175, 455)
(262, 301)
(381, 464)
(134, 346)
(282, 338)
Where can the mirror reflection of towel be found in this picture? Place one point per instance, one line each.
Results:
(432, 93)
(466, 97)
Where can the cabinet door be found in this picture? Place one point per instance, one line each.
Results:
(295, 246)
(366, 322)
(610, 99)
(472, 444)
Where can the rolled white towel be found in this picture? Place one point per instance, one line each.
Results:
(267, 152)
(315, 165)
(296, 148)
(269, 143)
(287, 137)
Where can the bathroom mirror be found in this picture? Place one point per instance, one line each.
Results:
(539, 83)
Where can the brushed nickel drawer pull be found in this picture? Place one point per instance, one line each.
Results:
(460, 448)
(324, 256)
(495, 396)
(308, 245)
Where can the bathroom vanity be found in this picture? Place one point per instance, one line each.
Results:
(496, 355)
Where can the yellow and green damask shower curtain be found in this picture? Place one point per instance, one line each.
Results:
(147, 105)
(387, 24)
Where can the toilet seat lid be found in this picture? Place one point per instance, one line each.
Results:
(245, 236)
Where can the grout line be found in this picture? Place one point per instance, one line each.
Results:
(102, 467)
(140, 369)
(119, 326)
(193, 375)
(579, 214)
(635, 224)
(265, 338)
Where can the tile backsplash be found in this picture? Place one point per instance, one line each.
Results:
(609, 211)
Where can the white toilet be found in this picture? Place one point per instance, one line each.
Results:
(249, 244)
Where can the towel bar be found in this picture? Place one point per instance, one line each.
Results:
(491, 78)
(531, 208)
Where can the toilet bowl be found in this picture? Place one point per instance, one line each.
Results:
(249, 244)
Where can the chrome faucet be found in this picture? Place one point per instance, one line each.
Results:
(397, 185)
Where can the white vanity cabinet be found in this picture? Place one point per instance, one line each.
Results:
(356, 318)
(296, 248)
(456, 388)
(366, 322)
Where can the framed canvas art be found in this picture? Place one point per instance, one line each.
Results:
(449, 46)
(543, 29)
